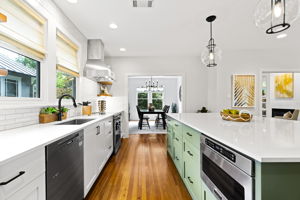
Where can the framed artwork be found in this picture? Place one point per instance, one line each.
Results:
(243, 91)
(284, 85)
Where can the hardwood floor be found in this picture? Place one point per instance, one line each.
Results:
(141, 170)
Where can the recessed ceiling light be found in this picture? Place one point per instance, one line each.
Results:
(113, 26)
(122, 49)
(280, 36)
(72, 1)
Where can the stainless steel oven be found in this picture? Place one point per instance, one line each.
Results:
(117, 132)
(228, 174)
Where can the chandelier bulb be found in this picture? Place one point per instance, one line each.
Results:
(278, 10)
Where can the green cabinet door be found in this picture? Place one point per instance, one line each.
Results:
(192, 178)
(170, 135)
(206, 194)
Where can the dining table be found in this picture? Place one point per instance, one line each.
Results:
(153, 112)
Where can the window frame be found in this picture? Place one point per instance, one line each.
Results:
(74, 87)
(41, 75)
(163, 98)
(137, 98)
(149, 97)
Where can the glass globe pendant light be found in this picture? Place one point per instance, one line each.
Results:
(212, 54)
(276, 16)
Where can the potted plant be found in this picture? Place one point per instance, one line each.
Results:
(48, 114)
(86, 108)
(64, 112)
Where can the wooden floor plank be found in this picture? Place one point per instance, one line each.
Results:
(141, 170)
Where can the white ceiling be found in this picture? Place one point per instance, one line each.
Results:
(172, 27)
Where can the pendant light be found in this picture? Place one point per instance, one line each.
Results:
(3, 72)
(212, 54)
(276, 16)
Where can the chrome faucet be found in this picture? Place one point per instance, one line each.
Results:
(59, 104)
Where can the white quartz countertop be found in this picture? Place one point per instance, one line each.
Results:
(16, 142)
(263, 139)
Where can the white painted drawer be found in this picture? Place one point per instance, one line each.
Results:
(31, 165)
(108, 126)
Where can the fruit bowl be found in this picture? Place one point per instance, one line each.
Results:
(236, 116)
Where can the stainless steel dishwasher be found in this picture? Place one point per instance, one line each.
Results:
(64, 168)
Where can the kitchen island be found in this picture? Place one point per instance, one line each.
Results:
(272, 145)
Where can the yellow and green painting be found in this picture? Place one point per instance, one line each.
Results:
(284, 85)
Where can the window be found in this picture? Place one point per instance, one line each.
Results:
(67, 66)
(65, 84)
(23, 79)
(24, 29)
(157, 100)
(142, 99)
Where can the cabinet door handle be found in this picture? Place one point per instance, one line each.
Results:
(109, 147)
(177, 158)
(217, 194)
(190, 180)
(177, 139)
(176, 124)
(189, 134)
(98, 130)
(190, 153)
(204, 195)
(7, 182)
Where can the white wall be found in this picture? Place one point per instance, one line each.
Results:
(245, 62)
(285, 103)
(194, 76)
(194, 80)
(171, 92)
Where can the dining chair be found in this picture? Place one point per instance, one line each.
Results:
(158, 118)
(142, 118)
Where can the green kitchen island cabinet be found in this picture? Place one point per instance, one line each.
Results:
(184, 150)
(273, 145)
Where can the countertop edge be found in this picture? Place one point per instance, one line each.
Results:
(242, 151)
(80, 127)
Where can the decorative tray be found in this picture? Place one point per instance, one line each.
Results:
(244, 117)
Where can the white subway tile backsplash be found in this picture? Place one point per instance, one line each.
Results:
(13, 116)
(16, 118)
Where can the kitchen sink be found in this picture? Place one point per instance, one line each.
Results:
(75, 122)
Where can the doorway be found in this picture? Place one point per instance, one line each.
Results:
(157, 92)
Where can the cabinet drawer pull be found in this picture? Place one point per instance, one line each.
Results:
(176, 124)
(109, 147)
(189, 153)
(177, 158)
(177, 139)
(189, 134)
(98, 130)
(218, 195)
(190, 180)
(7, 182)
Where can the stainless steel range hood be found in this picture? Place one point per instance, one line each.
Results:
(96, 69)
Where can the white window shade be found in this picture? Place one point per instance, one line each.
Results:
(66, 55)
(25, 28)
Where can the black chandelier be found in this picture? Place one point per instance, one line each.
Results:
(211, 54)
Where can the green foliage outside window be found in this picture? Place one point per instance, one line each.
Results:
(143, 100)
(157, 100)
(65, 84)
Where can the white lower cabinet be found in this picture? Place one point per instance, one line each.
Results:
(24, 178)
(34, 190)
(98, 146)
